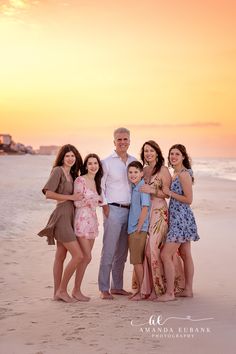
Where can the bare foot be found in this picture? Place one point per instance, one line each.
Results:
(137, 297)
(105, 295)
(152, 297)
(63, 296)
(184, 293)
(121, 292)
(144, 296)
(164, 298)
(55, 298)
(134, 294)
(80, 297)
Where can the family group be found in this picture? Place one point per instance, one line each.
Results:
(136, 216)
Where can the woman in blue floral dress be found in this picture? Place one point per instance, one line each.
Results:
(182, 226)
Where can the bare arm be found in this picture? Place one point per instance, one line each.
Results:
(142, 217)
(186, 183)
(62, 197)
(105, 206)
(154, 190)
(106, 210)
(146, 188)
(166, 181)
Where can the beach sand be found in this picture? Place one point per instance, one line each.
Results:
(31, 323)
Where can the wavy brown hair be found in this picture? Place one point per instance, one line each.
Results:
(187, 162)
(160, 158)
(99, 174)
(76, 168)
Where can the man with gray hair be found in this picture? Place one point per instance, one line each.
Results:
(116, 200)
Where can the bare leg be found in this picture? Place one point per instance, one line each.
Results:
(86, 247)
(134, 281)
(58, 266)
(138, 268)
(185, 253)
(76, 258)
(167, 254)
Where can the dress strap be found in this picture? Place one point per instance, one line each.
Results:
(189, 170)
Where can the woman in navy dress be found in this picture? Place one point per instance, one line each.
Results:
(182, 226)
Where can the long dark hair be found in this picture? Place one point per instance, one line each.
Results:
(160, 159)
(74, 171)
(99, 173)
(187, 162)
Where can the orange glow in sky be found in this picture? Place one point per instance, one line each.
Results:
(72, 71)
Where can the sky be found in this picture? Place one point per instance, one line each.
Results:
(73, 71)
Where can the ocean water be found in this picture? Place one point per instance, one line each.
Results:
(29, 165)
(219, 168)
(23, 208)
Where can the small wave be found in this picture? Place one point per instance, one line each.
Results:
(218, 168)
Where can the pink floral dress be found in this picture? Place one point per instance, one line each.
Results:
(86, 221)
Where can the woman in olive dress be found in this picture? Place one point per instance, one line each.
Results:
(59, 187)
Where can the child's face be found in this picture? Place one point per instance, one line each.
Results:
(134, 175)
(92, 165)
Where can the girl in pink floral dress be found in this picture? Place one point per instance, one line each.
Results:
(88, 185)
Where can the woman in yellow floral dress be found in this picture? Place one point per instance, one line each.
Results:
(157, 175)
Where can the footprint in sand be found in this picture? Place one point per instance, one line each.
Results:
(70, 338)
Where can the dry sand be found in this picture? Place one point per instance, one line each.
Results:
(31, 323)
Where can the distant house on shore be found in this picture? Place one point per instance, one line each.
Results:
(5, 139)
(48, 150)
(8, 146)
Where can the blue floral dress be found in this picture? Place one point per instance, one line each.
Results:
(182, 225)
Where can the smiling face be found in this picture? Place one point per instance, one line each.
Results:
(121, 142)
(150, 154)
(69, 159)
(176, 157)
(92, 165)
(134, 175)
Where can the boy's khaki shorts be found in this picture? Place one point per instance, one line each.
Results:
(137, 241)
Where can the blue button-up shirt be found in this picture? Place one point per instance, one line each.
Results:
(138, 201)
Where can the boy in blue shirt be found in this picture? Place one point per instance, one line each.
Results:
(137, 223)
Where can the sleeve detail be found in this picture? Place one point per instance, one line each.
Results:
(54, 180)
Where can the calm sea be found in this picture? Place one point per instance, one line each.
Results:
(23, 208)
(213, 167)
(220, 168)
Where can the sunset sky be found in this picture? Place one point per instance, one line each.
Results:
(72, 71)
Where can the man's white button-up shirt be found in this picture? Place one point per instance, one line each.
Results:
(115, 184)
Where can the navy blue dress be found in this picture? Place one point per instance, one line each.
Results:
(182, 224)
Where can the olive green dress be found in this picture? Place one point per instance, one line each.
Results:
(61, 221)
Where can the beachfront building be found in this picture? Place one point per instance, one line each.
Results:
(48, 150)
(8, 146)
(5, 139)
